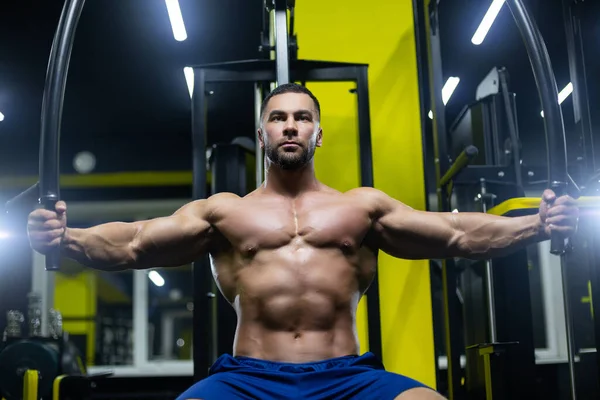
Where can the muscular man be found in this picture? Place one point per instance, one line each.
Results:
(294, 258)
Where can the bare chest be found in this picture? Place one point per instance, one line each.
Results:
(271, 226)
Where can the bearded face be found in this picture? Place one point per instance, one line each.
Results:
(290, 130)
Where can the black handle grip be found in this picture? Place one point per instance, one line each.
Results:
(53, 260)
(557, 242)
(53, 257)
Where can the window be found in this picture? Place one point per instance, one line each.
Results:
(122, 321)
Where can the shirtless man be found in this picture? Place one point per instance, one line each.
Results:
(294, 258)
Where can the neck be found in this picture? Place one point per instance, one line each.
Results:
(290, 183)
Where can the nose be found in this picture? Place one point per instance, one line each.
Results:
(290, 128)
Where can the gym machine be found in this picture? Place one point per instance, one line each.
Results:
(278, 65)
(479, 166)
(214, 337)
(37, 365)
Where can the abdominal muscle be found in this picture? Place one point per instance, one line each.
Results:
(294, 309)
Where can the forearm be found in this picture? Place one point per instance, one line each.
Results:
(105, 247)
(486, 236)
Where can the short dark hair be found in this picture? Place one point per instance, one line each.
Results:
(290, 88)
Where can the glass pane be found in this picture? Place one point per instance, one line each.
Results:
(170, 313)
(537, 297)
(115, 318)
(96, 308)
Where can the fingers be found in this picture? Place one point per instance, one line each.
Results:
(561, 220)
(548, 196)
(565, 200)
(46, 225)
(562, 230)
(562, 209)
(43, 215)
(560, 215)
(46, 228)
(47, 238)
(61, 207)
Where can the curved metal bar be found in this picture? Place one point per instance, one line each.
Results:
(558, 175)
(553, 118)
(52, 104)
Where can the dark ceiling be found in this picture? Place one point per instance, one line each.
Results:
(128, 103)
(503, 47)
(126, 99)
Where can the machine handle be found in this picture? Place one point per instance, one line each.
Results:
(558, 243)
(53, 257)
(461, 162)
(52, 104)
(548, 92)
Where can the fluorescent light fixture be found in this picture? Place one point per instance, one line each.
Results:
(447, 90)
(1, 117)
(176, 20)
(156, 278)
(566, 92)
(562, 96)
(487, 22)
(189, 78)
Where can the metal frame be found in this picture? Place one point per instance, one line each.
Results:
(422, 72)
(581, 105)
(452, 307)
(556, 171)
(282, 57)
(264, 72)
(254, 71)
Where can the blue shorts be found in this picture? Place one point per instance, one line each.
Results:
(350, 377)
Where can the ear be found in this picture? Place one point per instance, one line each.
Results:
(259, 136)
(319, 137)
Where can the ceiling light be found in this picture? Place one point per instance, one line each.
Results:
(176, 20)
(449, 88)
(487, 22)
(189, 78)
(156, 278)
(562, 96)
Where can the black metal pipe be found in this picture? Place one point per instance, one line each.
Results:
(512, 127)
(367, 179)
(52, 104)
(577, 69)
(548, 92)
(205, 327)
(463, 159)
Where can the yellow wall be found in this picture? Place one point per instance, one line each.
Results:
(380, 34)
(75, 297)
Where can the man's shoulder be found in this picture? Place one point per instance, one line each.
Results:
(223, 197)
(206, 207)
(364, 193)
